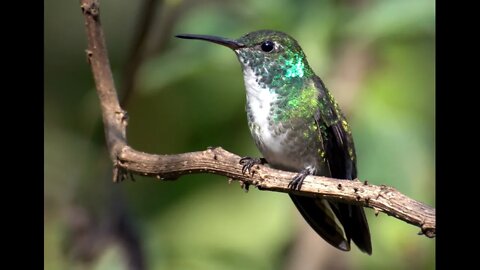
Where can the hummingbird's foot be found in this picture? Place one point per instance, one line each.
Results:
(297, 181)
(249, 162)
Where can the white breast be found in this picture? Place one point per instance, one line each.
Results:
(259, 102)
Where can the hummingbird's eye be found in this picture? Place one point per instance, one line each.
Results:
(267, 46)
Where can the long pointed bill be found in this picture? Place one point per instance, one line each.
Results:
(232, 44)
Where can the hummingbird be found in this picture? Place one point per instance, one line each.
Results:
(298, 126)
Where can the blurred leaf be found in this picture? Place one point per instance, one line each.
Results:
(52, 255)
(111, 259)
(393, 18)
(224, 228)
(164, 70)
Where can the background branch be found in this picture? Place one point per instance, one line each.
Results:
(145, 23)
(218, 161)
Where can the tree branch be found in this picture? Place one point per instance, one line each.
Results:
(114, 118)
(218, 161)
(221, 162)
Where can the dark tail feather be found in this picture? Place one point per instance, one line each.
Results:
(355, 225)
(322, 220)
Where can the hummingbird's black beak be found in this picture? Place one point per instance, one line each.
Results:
(232, 44)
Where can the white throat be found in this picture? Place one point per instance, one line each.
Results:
(259, 99)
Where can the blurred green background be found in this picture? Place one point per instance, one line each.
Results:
(376, 57)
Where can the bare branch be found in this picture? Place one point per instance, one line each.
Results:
(221, 162)
(114, 118)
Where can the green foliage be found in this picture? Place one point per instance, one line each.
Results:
(192, 96)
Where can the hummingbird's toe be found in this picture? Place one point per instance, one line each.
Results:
(249, 162)
(297, 181)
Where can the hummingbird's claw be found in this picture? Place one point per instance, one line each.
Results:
(249, 162)
(297, 181)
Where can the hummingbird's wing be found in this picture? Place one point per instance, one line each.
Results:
(343, 167)
(340, 155)
(322, 217)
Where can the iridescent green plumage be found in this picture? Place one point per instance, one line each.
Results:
(298, 126)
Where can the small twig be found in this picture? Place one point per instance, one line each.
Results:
(221, 162)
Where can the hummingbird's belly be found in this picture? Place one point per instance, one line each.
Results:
(290, 149)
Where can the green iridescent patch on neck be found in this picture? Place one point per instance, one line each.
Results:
(289, 71)
(298, 97)
(294, 67)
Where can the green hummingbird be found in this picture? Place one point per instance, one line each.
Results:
(298, 126)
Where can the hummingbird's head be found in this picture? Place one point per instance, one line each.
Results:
(272, 57)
